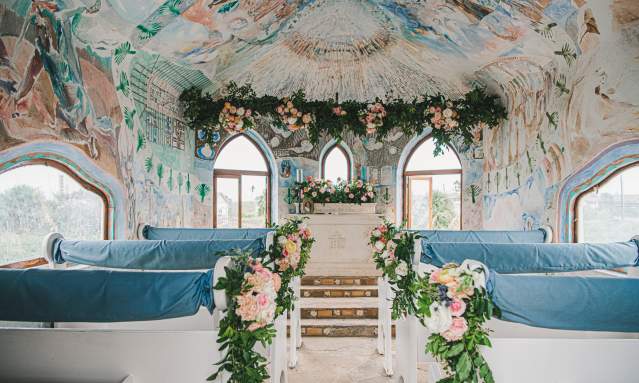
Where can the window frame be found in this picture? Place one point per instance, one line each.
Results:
(40, 261)
(593, 189)
(348, 161)
(237, 174)
(407, 174)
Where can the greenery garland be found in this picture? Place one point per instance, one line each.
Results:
(259, 291)
(461, 119)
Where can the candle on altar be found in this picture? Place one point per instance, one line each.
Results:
(299, 175)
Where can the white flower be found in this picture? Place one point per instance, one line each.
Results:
(440, 318)
(240, 111)
(478, 270)
(448, 113)
(281, 240)
(384, 254)
(379, 245)
(376, 233)
(388, 262)
(401, 269)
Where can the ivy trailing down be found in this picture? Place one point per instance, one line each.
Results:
(461, 119)
(259, 291)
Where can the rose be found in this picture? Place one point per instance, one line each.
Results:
(457, 307)
(379, 245)
(456, 331)
(291, 247)
(440, 318)
(402, 269)
(363, 198)
(351, 196)
(376, 233)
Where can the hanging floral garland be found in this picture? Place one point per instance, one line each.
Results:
(452, 120)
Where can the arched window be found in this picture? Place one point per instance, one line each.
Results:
(609, 211)
(336, 164)
(432, 188)
(241, 179)
(41, 197)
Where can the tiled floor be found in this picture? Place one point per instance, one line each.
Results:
(341, 360)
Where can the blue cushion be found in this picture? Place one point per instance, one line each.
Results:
(534, 258)
(150, 232)
(151, 255)
(491, 236)
(44, 295)
(567, 302)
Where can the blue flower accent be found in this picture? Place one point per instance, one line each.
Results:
(201, 134)
(215, 136)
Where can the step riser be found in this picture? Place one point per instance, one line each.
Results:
(333, 293)
(338, 331)
(339, 313)
(339, 281)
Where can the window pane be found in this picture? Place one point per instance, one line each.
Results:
(227, 200)
(336, 165)
(253, 201)
(447, 202)
(36, 200)
(420, 202)
(611, 214)
(423, 159)
(240, 154)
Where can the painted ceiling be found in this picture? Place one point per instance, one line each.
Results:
(359, 49)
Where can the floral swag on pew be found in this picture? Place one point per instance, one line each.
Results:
(319, 190)
(462, 119)
(259, 291)
(452, 302)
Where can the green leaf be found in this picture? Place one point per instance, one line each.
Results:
(463, 366)
(455, 350)
(146, 32)
(121, 51)
(141, 141)
(148, 164)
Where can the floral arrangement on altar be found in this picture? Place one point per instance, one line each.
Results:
(235, 119)
(393, 251)
(453, 121)
(453, 304)
(320, 190)
(259, 291)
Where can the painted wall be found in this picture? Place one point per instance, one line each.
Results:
(102, 80)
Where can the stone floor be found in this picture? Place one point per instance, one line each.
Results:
(341, 360)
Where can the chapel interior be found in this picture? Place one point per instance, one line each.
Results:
(348, 191)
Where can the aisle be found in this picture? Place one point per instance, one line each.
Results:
(341, 360)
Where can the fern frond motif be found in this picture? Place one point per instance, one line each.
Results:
(148, 164)
(188, 183)
(546, 30)
(159, 170)
(141, 141)
(146, 32)
(123, 86)
(123, 50)
(128, 117)
(202, 190)
(473, 190)
(567, 53)
(553, 119)
(560, 86)
(169, 182)
(170, 7)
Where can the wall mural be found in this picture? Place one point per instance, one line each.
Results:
(104, 77)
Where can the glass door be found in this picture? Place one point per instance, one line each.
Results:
(227, 201)
(419, 199)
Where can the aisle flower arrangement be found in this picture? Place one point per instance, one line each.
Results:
(453, 303)
(392, 251)
(319, 190)
(259, 291)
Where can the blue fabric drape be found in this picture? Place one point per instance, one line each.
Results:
(567, 302)
(494, 236)
(180, 234)
(535, 258)
(150, 255)
(44, 295)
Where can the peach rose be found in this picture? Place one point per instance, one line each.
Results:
(456, 330)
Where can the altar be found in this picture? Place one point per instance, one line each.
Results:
(341, 244)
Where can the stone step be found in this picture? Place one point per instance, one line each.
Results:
(339, 281)
(339, 313)
(339, 291)
(340, 328)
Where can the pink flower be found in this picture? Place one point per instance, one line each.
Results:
(277, 282)
(457, 307)
(434, 277)
(456, 330)
(351, 196)
(262, 301)
(363, 198)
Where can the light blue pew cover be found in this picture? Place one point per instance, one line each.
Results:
(490, 236)
(535, 258)
(567, 302)
(45, 295)
(180, 234)
(150, 255)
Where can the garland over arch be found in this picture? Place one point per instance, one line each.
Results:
(461, 119)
